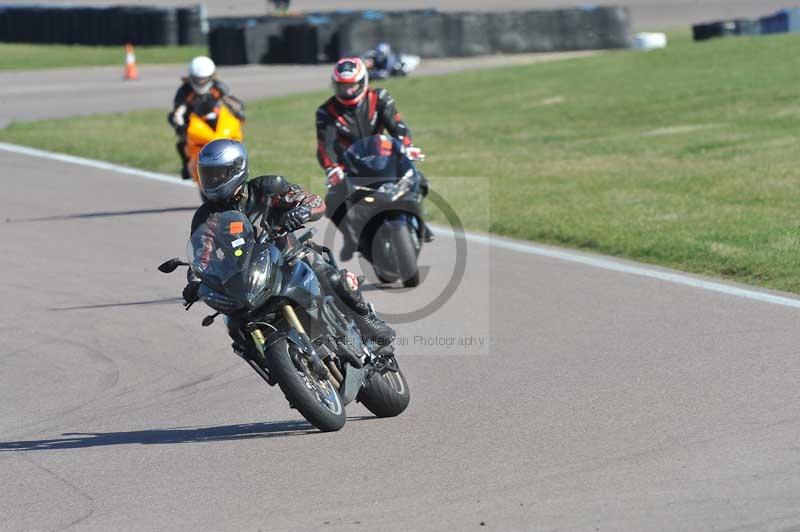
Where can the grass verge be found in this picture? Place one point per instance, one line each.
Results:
(684, 157)
(34, 56)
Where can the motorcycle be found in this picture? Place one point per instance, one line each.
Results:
(384, 208)
(396, 65)
(219, 123)
(287, 328)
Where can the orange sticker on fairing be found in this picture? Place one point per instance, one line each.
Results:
(236, 228)
(386, 147)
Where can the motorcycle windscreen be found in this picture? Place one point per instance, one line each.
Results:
(375, 160)
(228, 126)
(222, 247)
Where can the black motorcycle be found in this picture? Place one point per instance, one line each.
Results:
(290, 332)
(384, 208)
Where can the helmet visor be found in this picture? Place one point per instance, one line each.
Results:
(201, 85)
(348, 91)
(212, 177)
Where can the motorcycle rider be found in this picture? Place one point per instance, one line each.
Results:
(354, 112)
(199, 93)
(381, 60)
(224, 179)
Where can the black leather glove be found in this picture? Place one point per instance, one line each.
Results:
(190, 292)
(295, 218)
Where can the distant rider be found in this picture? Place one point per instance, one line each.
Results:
(381, 61)
(199, 93)
(224, 180)
(354, 112)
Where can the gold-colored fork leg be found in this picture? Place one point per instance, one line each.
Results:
(293, 320)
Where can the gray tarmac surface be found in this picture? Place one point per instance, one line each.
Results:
(598, 400)
(59, 93)
(646, 14)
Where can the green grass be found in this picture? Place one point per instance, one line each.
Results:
(25, 56)
(686, 157)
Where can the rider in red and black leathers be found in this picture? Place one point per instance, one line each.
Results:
(354, 112)
(339, 125)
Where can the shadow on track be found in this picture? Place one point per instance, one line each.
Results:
(167, 301)
(80, 440)
(101, 214)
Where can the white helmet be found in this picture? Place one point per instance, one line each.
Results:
(201, 73)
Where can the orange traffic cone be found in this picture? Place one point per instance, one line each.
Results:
(130, 63)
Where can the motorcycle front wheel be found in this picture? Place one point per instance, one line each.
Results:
(318, 401)
(402, 259)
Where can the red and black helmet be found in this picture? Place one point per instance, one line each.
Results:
(350, 80)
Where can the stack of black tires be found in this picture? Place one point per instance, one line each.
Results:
(103, 25)
(326, 37)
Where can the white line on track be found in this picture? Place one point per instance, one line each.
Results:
(497, 242)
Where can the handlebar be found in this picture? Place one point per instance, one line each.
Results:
(269, 236)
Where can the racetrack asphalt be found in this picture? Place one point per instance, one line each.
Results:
(599, 400)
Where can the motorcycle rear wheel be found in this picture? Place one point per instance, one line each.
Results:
(386, 395)
(318, 401)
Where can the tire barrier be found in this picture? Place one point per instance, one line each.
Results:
(784, 21)
(725, 28)
(325, 37)
(192, 25)
(102, 25)
(227, 45)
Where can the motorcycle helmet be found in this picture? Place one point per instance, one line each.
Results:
(201, 74)
(350, 81)
(383, 51)
(222, 168)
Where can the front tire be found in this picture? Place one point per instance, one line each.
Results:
(318, 401)
(404, 254)
(386, 395)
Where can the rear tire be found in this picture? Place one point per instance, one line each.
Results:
(386, 395)
(383, 279)
(322, 406)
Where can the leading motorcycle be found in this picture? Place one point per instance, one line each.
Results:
(382, 62)
(219, 123)
(288, 329)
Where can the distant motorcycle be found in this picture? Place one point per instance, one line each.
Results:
(384, 207)
(291, 330)
(219, 123)
(383, 63)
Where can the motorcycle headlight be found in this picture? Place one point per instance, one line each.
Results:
(388, 188)
(402, 187)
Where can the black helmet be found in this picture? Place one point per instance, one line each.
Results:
(222, 168)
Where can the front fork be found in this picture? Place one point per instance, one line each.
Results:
(321, 371)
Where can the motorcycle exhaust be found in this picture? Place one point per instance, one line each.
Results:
(336, 375)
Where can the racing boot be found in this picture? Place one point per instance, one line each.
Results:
(351, 302)
(375, 329)
(180, 146)
(348, 248)
(427, 234)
